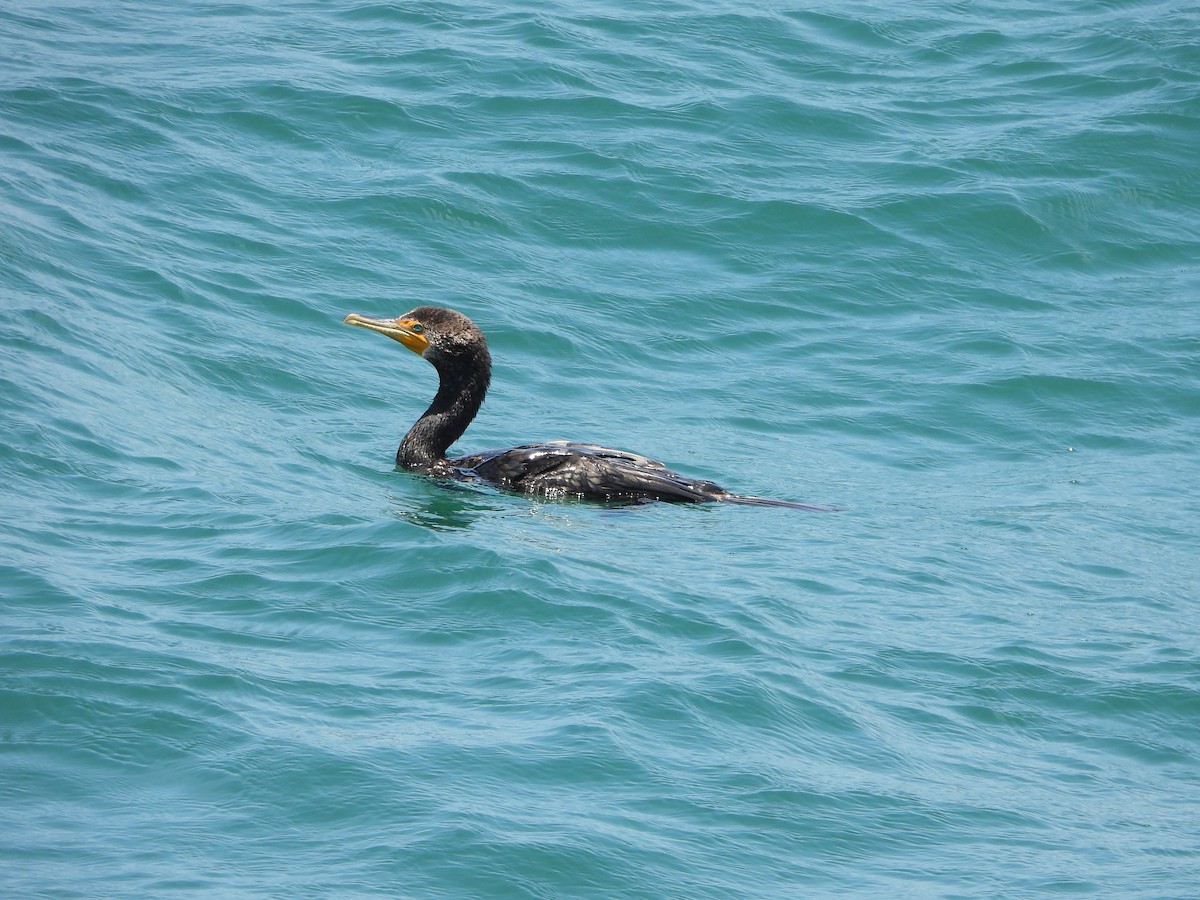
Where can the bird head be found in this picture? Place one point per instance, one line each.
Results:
(434, 332)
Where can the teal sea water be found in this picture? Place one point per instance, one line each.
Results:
(935, 264)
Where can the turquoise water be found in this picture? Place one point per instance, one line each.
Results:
(934, 264)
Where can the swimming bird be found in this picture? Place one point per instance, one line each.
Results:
(459, 352)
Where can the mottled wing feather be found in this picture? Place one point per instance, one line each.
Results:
(567, 468)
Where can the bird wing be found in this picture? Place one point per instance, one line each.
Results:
(569, 468)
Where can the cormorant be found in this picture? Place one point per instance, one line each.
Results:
(458, 350)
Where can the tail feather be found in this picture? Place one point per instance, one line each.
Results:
(766, 501)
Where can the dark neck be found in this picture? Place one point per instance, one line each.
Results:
(463, 383)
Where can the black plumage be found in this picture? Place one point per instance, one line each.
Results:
(458, 350)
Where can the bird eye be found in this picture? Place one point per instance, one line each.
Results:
(417, 328)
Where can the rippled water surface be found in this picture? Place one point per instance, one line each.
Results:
(933, 264)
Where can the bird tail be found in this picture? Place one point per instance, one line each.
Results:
(766, 501)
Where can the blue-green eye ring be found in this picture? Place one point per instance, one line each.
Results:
(417, 328)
